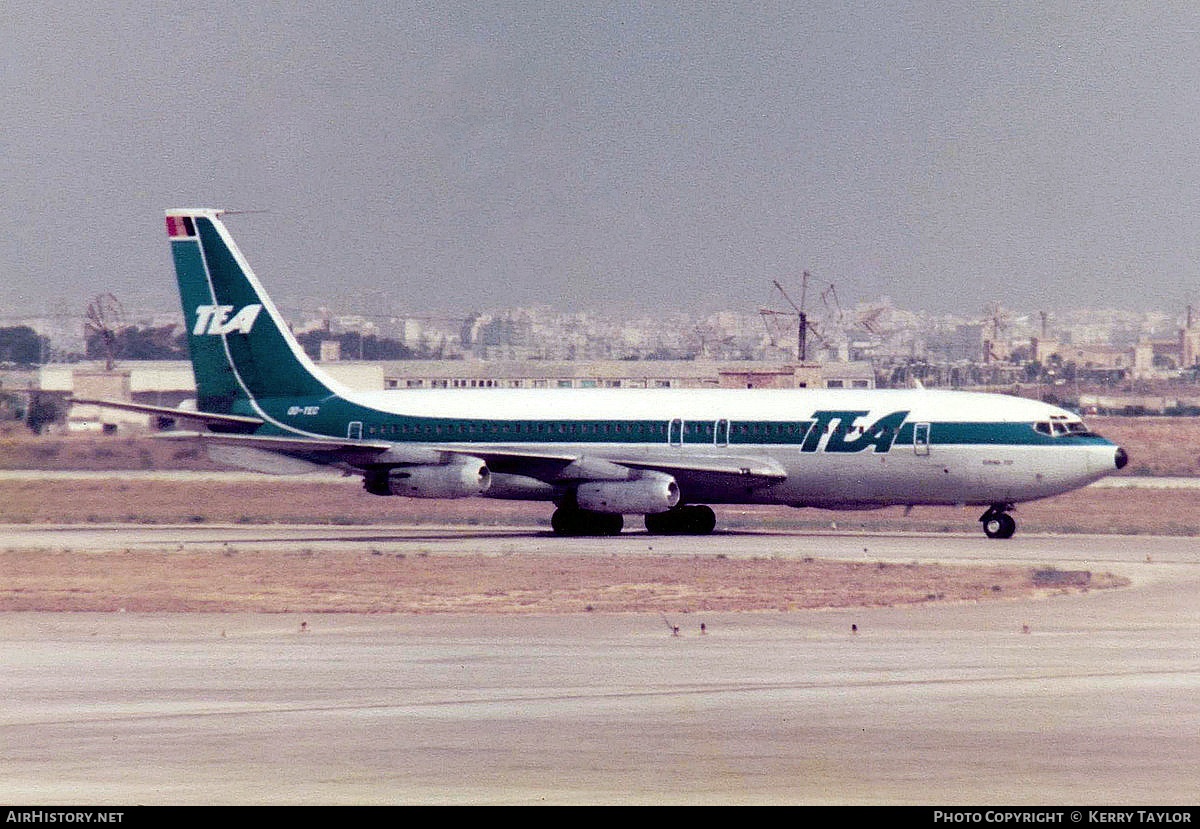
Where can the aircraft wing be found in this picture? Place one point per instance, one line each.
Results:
(282, 455)
(548, 466)
(560, 467)
(544, 466)
(745, 471)
(227, 421)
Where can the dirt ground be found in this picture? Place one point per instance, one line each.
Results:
(370, 582)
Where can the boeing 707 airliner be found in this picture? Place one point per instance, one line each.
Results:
(599, 454)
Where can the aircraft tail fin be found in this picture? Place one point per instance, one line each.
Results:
(241, 347)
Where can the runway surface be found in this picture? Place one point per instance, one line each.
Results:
(1082, 699)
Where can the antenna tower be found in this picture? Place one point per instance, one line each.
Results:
(105, 318)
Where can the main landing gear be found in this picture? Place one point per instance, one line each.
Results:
(997, 523)
(691, 519)
(572, 520)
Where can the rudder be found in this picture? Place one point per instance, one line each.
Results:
(240, 346)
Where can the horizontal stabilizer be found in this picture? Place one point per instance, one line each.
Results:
(362, 454)
(210, 418)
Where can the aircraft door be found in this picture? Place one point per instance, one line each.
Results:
(675, 433)
(921, 438)
(721, 433)
(354, 430)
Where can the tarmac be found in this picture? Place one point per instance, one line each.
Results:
(1089, 698)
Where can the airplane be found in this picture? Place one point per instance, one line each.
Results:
(601, 454)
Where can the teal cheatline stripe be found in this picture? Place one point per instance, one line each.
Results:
(1010, 434)
(331, 415)
(998, 434)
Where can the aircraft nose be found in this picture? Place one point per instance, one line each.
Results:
(1122, 458)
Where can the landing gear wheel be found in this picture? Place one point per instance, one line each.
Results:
(563, 521)
(659, 523)
(702, 520)
(572, 521)
(999, 525)
(685, 520)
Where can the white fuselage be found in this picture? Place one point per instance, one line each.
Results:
(919, 466)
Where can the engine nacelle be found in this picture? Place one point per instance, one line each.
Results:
(452, 480)
(648, 495)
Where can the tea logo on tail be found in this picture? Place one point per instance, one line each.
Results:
(216, 319)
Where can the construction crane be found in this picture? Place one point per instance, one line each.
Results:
(995, 321)
(839, 316)
(797, 311)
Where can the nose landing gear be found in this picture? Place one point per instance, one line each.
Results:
(997, 523)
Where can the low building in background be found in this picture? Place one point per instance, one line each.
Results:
(623, 374)
(170, 382)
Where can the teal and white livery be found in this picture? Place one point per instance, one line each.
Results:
(601, 454)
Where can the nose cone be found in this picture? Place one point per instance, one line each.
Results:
(1121, 458)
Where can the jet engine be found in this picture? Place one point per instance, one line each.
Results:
(453, 480)
(647, 495)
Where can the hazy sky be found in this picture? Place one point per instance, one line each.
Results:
(448, 156)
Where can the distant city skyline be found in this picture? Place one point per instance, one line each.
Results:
(313, 307)
(869, 330)
(452, 156)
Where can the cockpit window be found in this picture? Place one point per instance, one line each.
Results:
(1059, 427)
